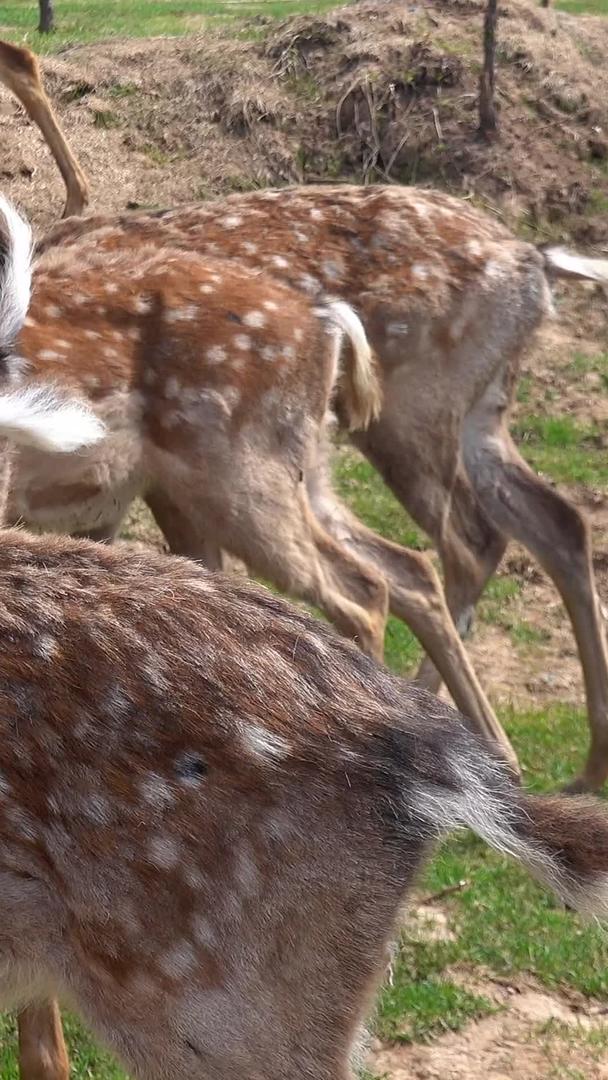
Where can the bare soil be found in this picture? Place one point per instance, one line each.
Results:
(533, 1036)
(379, 90)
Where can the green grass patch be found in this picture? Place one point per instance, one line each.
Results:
(563, 449)
(417, 1007)
(88, 1062)
(96, 20)
(583, 7)
(597, 364)
(362, 488)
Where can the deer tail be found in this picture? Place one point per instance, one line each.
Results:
(561, 839)
(561, 263)
(360, 385)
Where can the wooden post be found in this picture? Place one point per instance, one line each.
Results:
(47, 16)
(488, 119)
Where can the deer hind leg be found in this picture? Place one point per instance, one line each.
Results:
(525, 507)
(42, 1051)
(471, 548)
(184, 538)
(416, 596)
(274, 531)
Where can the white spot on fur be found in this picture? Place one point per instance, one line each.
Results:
(255, 319)
(270, 305)
(172, 387)
(206, 288)
(185, 314)
(163, 852)
(216, 354)
(202, 931)
(156, 790)
(242, 342)
(92, 334)
(233, 221)
(265, 744)
(316, 214)
(419, 271)
(96, 808)
(309, 284)
(49, 354)
(46, 646)
(53, 311)
(268, 353)
(280, 262)
(142, 305)
(179, 961)
(250, 248)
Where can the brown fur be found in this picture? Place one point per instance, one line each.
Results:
(218, 423)
(449, 299)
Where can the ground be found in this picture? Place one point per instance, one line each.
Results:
(490, 980)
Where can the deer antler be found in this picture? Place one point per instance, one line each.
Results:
(20, 72)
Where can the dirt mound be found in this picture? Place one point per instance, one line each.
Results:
(379, 90)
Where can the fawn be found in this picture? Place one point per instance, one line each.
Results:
(215, 387)
(449, 300)
(211, 806)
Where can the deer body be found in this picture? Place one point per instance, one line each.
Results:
(213, 808)
(214, 387)
(449, 300)
(210, 805)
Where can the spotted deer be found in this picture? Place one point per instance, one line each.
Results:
(449, 300)
(20, 73)
(214, 386)
(212, 807)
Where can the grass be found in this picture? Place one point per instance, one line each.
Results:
(583, 7)
(96, 20)
(562, 449)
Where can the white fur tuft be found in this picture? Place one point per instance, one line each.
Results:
(566, 263)
(364, 398)
(15, 272)
(478, 801)
(37, 416)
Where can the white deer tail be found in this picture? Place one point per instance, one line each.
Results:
(360, 384)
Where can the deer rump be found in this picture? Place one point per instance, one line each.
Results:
(213, 807)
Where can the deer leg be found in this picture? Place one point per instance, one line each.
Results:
(42, 1051)
(283, 542)
(471, 549)
(416, 596)
(525, 507)
(184, 538)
